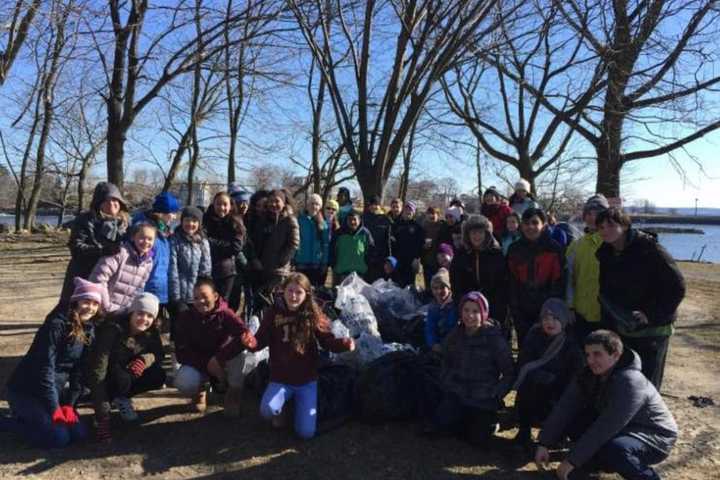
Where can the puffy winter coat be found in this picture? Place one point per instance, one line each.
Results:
(225, 243)
(124, 274)
(91, 231)
(479, 367)
(51, 362)
(380, 228)
(350, 250)
(189, 259)
(157, 283)
(642, 277)
(440, 321)
(537, 272)
(115, 348)
(625, 403)
(314, 242)
(408, 241)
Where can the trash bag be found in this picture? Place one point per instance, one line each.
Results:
(351, 287)
(258, 378)
(357, 315)
(367, 348)
(388, 388)
(339, 330)
(336, 387)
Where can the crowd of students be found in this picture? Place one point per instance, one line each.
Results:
(592, 316)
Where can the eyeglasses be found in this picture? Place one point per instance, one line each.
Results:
(330, 209)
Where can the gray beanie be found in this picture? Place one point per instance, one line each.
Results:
(558, 309)
(597, 203)
(192, 212)
(146, 302)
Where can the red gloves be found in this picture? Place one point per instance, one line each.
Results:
(65, 415)
(248, 340)
(102, 433)
(71, 417)
(58, 416)
(136, 367)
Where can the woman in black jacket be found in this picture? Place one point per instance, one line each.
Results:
(95, 233)
(641, 288)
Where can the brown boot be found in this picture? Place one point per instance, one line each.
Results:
(233, 397)
(199, 402)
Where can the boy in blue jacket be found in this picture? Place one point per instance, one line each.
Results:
(442, 316)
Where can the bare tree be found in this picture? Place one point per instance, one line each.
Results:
(429, 36)
(16, 30)
(508, 123)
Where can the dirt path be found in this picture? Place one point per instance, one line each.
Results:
(211, 447)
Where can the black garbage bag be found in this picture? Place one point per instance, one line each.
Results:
(336, 387)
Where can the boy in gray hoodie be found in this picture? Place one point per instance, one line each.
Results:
(615, 416)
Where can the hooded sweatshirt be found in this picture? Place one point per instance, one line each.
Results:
(287, 366)
(201, 336)
(624, 403)
(482, 270)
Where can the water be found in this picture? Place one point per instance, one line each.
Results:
(684, 246)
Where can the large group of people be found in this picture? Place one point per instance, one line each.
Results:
(592, 316)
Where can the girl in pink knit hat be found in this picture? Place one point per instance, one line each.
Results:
(42, 406)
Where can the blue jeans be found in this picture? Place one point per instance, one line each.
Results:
(31, 420)
(305, 396)
(625, 455)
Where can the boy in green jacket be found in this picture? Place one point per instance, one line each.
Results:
(349, 248)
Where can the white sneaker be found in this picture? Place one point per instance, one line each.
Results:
(125, 407)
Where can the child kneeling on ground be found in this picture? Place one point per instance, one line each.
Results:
(549, 360)
(125, 360)
(615, 416)
(292, 328)
(209, 338)
(477, 373)
(41, 402)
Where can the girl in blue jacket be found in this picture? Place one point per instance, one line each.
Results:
(312, 256)
(42, 408)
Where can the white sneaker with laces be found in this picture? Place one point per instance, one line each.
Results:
(126, 409)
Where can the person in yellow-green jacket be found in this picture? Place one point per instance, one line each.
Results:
(350, 247)
(584, 271)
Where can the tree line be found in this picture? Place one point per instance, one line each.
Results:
(539, 89)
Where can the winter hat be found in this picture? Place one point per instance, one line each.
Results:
(492, 191)
(374, 200)
(441, 279)
(479, 299)
(456, 202)
(556, 308)
(454, 212)
(166, 203)
(596, 203)
(447, 249)
(191, 212)
(315, 198)
(104, 191)
(234, 188)
(410, 205)
(478, 222)
(392, 261)
(522, 184)
(241, 197)
(145, 302)
(86, 290)
(333, 204)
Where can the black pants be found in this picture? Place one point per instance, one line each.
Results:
(122, 383)
(535, 401)
(471, 424)
(224, 286)
(236, 294)
(523, 322)
(375, 270)
(653, 353)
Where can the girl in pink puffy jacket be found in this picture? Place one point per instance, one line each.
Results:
(125, 273)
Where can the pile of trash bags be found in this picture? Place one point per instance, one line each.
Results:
(388, 376)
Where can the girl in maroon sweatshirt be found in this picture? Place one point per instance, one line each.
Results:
(292, 328)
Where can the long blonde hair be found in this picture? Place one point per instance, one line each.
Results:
(77, 326)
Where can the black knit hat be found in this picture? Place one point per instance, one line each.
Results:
(192, 212)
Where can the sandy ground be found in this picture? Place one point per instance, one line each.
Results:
(172, 443)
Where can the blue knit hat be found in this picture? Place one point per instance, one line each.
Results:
(166, 203)
(392, 261)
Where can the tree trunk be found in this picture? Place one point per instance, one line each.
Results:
(115, 153)
(479, 170)
(81, 187)
(231, 157)
(609, 167)
(370, 180)
(526, 171)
